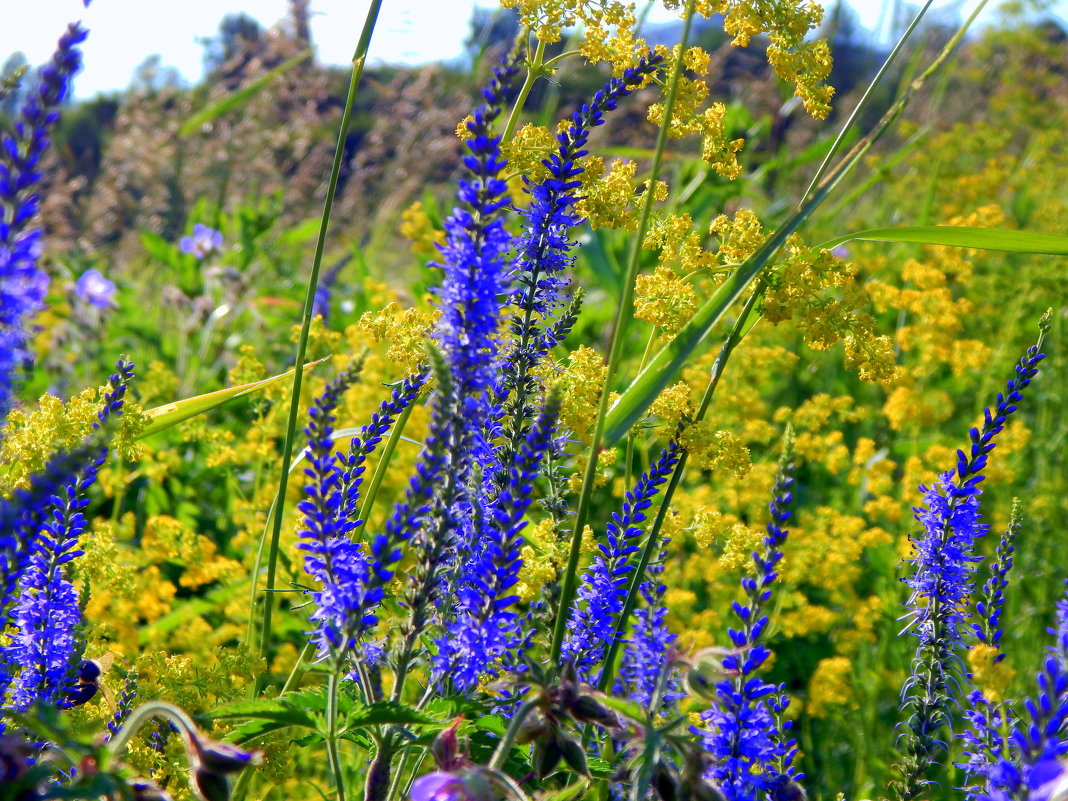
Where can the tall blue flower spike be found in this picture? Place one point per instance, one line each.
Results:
(642, 671)
(338, 563)
(543, 316)
(603, 585)
(747, 737)
(41, 655)
(983, 737)
(23, 285)
(941, 583)
(486, 628)
(1030, 765)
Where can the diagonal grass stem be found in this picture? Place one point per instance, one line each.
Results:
(358, 60)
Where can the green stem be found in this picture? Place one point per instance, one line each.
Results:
(567, 590)
(534, 71)
(501, 754)
(331, 733)
(358, 60)
(737, 332)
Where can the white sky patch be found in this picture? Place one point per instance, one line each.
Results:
(124, 33)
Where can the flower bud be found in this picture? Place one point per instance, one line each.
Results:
(210, 786)
(573, 752)
(223, 758)
(446, 747)
(533, 727)
(588, 709)
(547, 758)
(147, 790)
(665, 781)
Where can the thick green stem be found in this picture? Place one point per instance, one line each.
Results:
(568, 588)
(358, 60)
(331, 733)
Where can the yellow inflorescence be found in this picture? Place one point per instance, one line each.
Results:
(993, 678)
(32, 437)
(420, 231)
(830, 688)
(403, 330)
(663, 299)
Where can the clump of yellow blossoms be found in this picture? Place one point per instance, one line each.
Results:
(420, 231)
(31, 437)
(404, 330)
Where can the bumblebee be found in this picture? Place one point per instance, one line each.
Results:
(87, 683)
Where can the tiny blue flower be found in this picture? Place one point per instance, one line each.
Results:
(203, 243)
(96, 290)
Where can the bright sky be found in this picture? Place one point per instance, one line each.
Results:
(123, 33)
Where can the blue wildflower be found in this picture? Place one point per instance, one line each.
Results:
(96, 290)
(333, 559)
(47, 614)
(203, 243)
(643, 669)
(751, 750)
(543, 315)
(941, 583)
(486, 628)
(23, 285)
(603, 585)
(475, 278)
(1031, 766)
(991, 603)
(339, 564)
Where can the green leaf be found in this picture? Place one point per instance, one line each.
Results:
(163, 417)
(625, 707)
(962, 237)
(284, 711)
(384, 712)
(239, 97)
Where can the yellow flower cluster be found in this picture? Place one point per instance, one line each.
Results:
(404, 330)
(786, 23)
(993, 678)
(581, 386)
(796, 292)
(608, 27)
(611, 199)
(420, 231)
(663, 299)
(31, 437)
(830, 688)
(713, 449)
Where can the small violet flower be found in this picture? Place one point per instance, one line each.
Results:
(203, 243)
(93, 288)
(439, 786)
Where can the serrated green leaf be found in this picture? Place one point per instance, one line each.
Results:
(170, 414)
(276, 709)
(239, 97)
(384, 712)
(961, 237)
